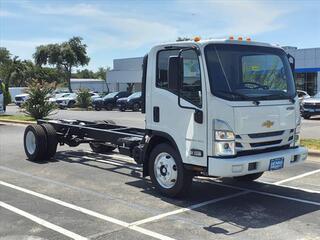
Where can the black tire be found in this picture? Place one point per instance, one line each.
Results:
(122, 109)
(97, 108)
(184, 177)
(71, 104)
(40, 143)
(101, 147)
(249, 177)
(306, 116)
(136, 107)
(109, 106)
(52, 141)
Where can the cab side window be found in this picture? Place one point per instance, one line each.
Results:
(191, 83)
(162, 67)
(191, 80)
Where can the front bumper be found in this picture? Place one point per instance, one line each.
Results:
(239, 166)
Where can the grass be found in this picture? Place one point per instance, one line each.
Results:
(311, 143)
(20, 117)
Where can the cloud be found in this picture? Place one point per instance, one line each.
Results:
(5, 13)
(25, 48)
(223, 18)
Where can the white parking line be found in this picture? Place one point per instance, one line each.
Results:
(297, 177)
(42, 222)
(291, 187)
(261, 192)
(181, 210)
(87, 211)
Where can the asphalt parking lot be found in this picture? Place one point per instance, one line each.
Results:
(80, 194)
(310, 128)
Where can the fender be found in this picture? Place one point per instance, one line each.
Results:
(152, 138)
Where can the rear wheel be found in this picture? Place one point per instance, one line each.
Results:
(249, 177)
(97, 108)
(35, 143)
(167, 172)
(52, 141)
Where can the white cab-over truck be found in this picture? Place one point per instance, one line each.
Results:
(220, 108)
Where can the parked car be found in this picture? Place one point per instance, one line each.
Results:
(302, 95)
(55, 97)
(109, 101)
(20, 99)
(311, 106)
(1, 101)
(68, 100)
(94, 96)
(133, 102)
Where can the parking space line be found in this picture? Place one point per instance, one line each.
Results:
(292, 187)
(181, 210)
(86, 211)
(297, 177)
(42, 222)
(261, 192)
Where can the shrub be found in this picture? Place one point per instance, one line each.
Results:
(84, 98)
(6, 94)
(37, 105)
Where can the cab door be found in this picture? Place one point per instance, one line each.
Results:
(179, 122)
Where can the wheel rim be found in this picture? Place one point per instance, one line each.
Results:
(165, 170)
(31, 142)
(135, 107)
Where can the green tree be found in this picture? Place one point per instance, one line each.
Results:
(66, 56)
(37, 105)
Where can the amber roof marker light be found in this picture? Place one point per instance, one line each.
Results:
(231, 38)
(197, 39)
(240, 38)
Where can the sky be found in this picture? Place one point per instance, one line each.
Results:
(129, 28)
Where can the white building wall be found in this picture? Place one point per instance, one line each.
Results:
(127, 70)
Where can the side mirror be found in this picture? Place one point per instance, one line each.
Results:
(174, 73)
(291, 62)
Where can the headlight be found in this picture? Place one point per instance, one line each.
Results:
(224, 139)
(221, 135)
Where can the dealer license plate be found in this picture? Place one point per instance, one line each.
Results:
(276, 163)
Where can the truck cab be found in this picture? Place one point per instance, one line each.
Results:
(222, 108)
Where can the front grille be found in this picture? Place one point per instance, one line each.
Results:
(312, 105)
(18, 98)
(59, 101)
(267, 134)
(261, 141)
(263, 144)
(265, 150)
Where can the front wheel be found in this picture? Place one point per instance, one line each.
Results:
(167, 172)
(249, 177)
(306, 116)
(136, 107)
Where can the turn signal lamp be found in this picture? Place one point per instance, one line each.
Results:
(197, 39)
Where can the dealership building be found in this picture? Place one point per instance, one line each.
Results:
(307, 73)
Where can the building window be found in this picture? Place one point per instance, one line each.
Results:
(307, 81)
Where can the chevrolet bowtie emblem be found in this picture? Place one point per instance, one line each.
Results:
(267, 124)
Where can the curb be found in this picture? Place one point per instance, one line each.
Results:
(313, 153)
(16, 121)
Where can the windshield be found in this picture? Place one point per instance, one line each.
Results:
(317, 95)
(241, 72)
(135, 95)
(111, 95)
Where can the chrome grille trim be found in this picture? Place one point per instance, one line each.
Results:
(264, 140)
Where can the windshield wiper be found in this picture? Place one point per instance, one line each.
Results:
(281, 94)
(242, 96)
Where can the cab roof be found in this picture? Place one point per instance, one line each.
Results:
(202, 43)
